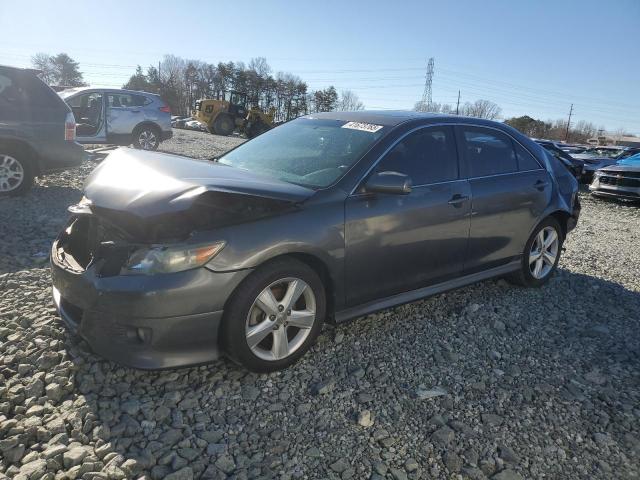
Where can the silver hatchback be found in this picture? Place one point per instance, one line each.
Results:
(119, 117)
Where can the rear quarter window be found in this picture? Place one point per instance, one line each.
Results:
(488, 152)
(141, 100)
(526, 161)
(11, 93)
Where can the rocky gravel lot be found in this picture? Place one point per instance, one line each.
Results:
(199, 144)
(491, 381)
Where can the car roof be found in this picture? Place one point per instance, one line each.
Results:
(392, 118)
(74, 90)
(20, 69)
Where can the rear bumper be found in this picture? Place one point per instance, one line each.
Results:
(572, 221)
(147, 322)
(61, 155)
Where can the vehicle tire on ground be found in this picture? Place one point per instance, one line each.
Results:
(274, 316)
(541, 255)
(146, 137)
(257, 129)
(224, 125)
(16, 171)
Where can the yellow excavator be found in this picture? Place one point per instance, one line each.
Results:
(224, 116)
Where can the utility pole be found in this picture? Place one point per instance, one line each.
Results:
(426, 95)
(458, 104)
(566, 135)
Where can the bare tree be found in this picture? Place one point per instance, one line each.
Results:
(260, 66)
(434, 107)
(59, 69)
(42, 61)
(349, 101)
(482, 109)
(618, 134)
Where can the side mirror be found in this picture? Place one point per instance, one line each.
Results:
(388, 182)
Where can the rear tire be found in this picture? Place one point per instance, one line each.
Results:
(146, 137)
(224, 125)
(541, 255)
(265, 331)
(16, 172)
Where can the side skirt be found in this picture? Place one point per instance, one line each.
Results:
(413, 295)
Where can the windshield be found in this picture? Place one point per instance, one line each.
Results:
(309, 152)
(603, 152)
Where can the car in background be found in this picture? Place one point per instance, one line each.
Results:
(575, 166)
(331, 216)
(37, 131)
(196, 125)
(179, 121)
(628, 152)
(597, 158)
(571, 149)
(602, 151)
(119, 117)
(621, 180)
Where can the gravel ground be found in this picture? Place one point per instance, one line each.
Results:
(199, 144)
(491, 381)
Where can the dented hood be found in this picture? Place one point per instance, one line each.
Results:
(146, 184)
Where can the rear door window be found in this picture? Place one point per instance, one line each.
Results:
(488, 152)
(25, 88)
(426, 156)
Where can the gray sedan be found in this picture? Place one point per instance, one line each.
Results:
(325, 218)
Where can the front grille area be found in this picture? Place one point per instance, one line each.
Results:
(620, 181)
(89, 241)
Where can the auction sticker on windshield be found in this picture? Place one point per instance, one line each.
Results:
(365, 127)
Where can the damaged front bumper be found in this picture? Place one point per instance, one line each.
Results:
(143, 321)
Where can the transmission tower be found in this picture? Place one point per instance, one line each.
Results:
(426, 95)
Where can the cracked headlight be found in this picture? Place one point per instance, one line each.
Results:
(161, 259)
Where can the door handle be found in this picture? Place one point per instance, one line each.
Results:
(540, 185)
(457, 200)
(135, 111)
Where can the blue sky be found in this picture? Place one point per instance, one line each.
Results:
(530, 57)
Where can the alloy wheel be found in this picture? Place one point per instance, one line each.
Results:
(147, 140)
(544, 252)
(11, 173)
(280, 319)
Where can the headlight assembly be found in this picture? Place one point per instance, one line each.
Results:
(163, 259)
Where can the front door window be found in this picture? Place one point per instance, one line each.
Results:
(87, 109)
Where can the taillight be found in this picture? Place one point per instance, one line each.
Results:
(70, 127)
(165, 109)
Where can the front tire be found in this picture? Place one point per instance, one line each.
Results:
(224, 125)
(16, 172)
(274, 316)
(146, 138)
(541, 255)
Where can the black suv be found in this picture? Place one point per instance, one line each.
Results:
(37, 131)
